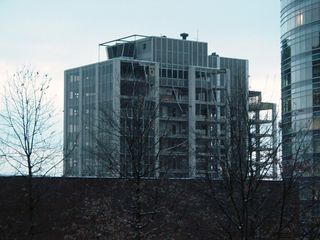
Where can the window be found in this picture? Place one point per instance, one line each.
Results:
(316, 147)
(174, 73)
(185, 74)
(315, 69)
(183, 129)
(299, 19)
(197, 74)
(173, 112)
(70, 128)
(163, 73)
(70, 162)
(174, 129)
(316, 97)
(287, 105)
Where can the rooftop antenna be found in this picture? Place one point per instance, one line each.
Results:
(197, 35)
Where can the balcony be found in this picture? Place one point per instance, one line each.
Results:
(176, 135)
(172, 99)
(182, 117)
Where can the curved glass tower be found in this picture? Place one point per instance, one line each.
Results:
(300, 79)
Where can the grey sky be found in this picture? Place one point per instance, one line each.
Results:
(55, 35)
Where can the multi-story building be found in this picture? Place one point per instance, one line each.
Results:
(165, 91)
(300, 78)
(237, 104)
(263, 135)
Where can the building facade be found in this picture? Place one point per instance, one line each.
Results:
(237, 103)
(157, 106)
(263, 135)
(300, 79)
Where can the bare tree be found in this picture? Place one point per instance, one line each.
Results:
(124, 140)
(249, 204)
(29, 142)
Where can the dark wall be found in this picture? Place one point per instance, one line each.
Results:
(91, 208)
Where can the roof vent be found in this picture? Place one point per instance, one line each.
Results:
(184, 35)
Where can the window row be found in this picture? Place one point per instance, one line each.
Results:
(301, 17)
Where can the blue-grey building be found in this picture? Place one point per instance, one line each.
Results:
(186, 91)
(300, 79)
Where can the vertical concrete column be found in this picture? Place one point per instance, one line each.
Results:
(274, 142)
(218, 100)
(115, 111)
(96, 115)
(65, 127)
(157, 118)
(227, 83)
(192, 122)
(80, 157)
(217, 119)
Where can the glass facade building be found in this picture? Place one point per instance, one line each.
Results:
(300, 79)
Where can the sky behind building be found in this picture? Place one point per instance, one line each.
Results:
(52, 36)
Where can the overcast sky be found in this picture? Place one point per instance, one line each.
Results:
(52, 36)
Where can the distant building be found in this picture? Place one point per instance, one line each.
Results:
(192, 97)
(263, 135)
(237, 105)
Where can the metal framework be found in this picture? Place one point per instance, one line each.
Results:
(124, 39)
(265, 141)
